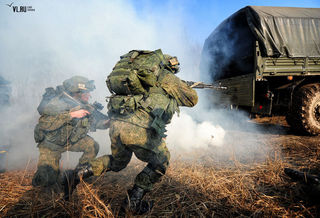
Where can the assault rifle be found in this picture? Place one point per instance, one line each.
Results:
(201, 85)
(302, 177)
(94, 109)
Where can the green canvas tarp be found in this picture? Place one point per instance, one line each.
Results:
(280, 31)
(285, 31)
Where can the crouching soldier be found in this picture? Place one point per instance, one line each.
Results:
(66, 118)
(146, 94)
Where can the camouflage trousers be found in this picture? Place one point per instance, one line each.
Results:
(127, 138)
(48, 165)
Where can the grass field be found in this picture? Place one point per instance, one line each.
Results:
(217, 182)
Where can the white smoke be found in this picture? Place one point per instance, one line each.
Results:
(184, 133)
(58, 40)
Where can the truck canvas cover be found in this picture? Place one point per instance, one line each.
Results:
(286, 31)
(281, 32)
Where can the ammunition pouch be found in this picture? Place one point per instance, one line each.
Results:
(80, 130)
(159, 126)
(59, 136)
(124, 104)
(161, 108)
(73, 132)
(170, 110)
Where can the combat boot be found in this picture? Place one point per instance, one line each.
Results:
(71, 178)
(134, 203)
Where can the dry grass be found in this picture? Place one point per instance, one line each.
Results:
(214, 184)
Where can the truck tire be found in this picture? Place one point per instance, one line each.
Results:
(305, 113)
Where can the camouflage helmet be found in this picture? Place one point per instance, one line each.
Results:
(78, 84)
(173, 63)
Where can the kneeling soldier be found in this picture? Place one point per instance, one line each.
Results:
(66, 118)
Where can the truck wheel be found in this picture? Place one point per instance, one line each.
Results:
(305, 115)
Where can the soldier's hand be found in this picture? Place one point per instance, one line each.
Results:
(79, 113)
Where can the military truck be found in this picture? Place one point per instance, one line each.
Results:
(269, 60)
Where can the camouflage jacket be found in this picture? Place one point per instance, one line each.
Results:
(57, 127)
(156, 109)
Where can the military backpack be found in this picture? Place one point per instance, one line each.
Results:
(135, 83)
(49, 94)
(136, 72)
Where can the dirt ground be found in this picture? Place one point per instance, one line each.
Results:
(244, 178)
(298, 150)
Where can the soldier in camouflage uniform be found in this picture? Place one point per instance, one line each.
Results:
(63, 126)
(142, 133)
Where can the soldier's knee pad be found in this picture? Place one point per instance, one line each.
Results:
(45, 176)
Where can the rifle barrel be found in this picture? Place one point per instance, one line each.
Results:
(201, 85)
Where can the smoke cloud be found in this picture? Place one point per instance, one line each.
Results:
(186, 134)
(43, 48)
